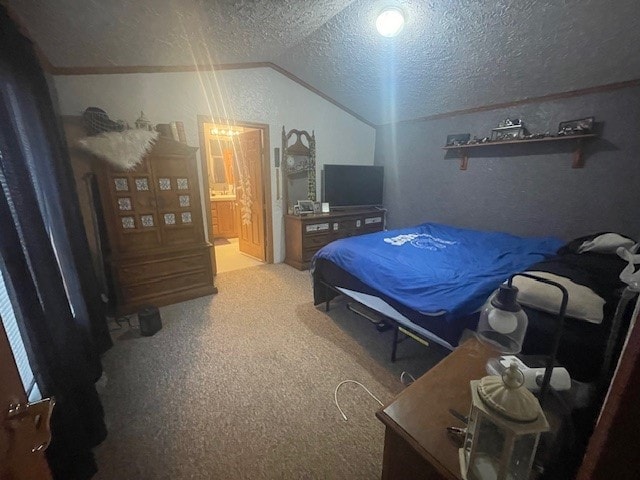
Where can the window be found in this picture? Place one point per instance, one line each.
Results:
(10, 324)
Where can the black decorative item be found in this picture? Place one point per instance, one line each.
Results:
(581, 126)
(97, 121)
(150, 321)
(458, 139)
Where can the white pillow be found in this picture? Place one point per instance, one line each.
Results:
(584, 303)
(605, 243)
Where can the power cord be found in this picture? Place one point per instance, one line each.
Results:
(121, 321)
(124, 319)
(335, 395)
(402, 380)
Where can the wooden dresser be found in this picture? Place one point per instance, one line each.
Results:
(305, 235)
(158, 254)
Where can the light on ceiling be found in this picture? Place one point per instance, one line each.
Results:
(390, 22)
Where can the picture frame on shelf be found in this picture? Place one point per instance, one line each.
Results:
(581, 126)
(305, 206)
(458, 139)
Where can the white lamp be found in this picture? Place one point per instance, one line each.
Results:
(390, 22)
(503, 323)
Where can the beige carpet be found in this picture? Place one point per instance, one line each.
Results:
(240, 385)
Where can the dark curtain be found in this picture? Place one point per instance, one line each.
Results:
(46, 260)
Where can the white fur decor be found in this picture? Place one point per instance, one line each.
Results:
(124, 150)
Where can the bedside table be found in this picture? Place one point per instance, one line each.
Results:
(416, 444)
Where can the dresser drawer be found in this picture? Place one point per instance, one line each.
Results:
(349, 224)
(315, 241)
(315, 228)
(150, 269)
(166, 285)
(373, 220)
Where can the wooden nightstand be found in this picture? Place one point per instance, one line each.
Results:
(416, 445)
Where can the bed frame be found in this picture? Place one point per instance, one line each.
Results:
(330, 292)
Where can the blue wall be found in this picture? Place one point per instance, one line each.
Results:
(522, 189)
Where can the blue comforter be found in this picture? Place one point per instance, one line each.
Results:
(437, 269)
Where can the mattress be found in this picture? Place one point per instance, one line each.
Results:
(435, 275)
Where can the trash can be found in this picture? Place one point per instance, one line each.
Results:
(150, 321)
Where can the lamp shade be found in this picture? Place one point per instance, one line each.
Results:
(503, 323)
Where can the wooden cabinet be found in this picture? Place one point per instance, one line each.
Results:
(416, 444)
(224, 216)
(157, 250)
(305, 235)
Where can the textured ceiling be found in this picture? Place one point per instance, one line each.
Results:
(451, 55)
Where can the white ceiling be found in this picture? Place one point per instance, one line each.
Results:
(451, 55)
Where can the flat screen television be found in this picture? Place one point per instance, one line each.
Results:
(352, 185)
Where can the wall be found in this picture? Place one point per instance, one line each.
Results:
(522, 189)
(259, 95)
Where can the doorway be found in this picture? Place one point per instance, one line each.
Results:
(236, 175)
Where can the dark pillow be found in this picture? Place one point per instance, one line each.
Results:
(598, 271)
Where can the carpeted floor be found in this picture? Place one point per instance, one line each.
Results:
(240, 385)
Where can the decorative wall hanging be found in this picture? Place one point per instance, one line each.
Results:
(123, 150)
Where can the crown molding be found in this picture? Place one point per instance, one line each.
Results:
(609, 87)
(119, 70)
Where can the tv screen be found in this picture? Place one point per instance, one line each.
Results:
(352, 185)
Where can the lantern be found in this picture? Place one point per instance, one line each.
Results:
(504, 428)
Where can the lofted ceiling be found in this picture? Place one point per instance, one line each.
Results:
(452, 54)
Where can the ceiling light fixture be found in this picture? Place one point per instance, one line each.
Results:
(390, 22)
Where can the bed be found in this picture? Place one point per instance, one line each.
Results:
(431, 281)
(431, 278)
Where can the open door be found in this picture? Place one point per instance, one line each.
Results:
(24, 427)
(249, 160)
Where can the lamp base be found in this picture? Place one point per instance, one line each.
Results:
(560, 378)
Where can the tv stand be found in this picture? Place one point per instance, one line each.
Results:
(305, 235)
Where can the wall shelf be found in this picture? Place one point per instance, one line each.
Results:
(577, 160)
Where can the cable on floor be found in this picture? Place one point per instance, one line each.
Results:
(335, 395)
(403, 381)
(121, 321)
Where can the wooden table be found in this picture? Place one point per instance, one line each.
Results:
(416, 445)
